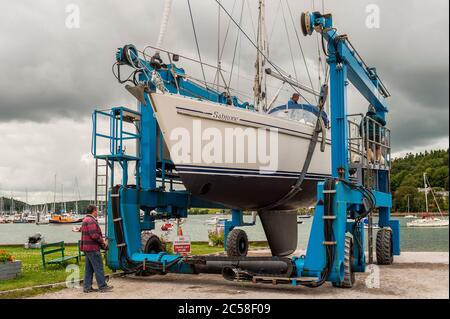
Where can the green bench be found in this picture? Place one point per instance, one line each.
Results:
(56, 248)
(80, 253)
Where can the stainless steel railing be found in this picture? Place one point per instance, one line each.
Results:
(369, 143)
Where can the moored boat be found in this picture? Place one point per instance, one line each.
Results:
(428, 222)
(64, 219)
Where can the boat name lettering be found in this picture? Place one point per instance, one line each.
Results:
(221, 116)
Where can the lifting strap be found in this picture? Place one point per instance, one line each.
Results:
(320, 127)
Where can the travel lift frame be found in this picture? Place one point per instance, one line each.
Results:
(336, 243)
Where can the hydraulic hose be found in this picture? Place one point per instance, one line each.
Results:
(329, 188)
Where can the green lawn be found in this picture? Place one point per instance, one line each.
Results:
(34, 274)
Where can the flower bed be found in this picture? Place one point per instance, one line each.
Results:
(9, 267)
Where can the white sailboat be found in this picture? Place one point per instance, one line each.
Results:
(267, 156)
(228, 182)
(224, 173)
(429, 221)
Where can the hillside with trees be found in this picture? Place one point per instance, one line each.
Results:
(407, 177)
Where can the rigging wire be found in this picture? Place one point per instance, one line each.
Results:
(196, 41)
(227, 32)
(288, 40)
(219, 50)
(274, 22)
(300, 45)
(251, 19)
(319, 54)
(326, 64)
(262, 53)
(236, 44)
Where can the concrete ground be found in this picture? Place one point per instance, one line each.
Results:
(413, 275)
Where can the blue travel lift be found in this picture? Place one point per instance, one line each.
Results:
(336, 244)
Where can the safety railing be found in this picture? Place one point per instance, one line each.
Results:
(117, 135)
(369, 143)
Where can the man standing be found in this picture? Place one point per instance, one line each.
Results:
(294, 99)
(91, 243)
(374, 128)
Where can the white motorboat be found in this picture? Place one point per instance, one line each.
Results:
(216, 220)
(410, 217)
(428, 222)
(31, 218)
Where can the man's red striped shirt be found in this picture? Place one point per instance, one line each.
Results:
(91, 235)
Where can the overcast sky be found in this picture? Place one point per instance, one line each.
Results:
(52, 77)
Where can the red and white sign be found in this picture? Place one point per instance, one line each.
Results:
(182, 245)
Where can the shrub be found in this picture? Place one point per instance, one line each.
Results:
(5, 257)
(216, 238)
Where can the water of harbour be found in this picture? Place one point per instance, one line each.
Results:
(412, 239)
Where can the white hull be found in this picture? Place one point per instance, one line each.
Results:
(232, 183)
(434, 222)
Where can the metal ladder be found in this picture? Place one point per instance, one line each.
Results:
(101, 185)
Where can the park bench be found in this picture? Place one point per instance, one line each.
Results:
(80, 253)
(56, 248)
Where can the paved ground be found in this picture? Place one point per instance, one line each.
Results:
(413, 275)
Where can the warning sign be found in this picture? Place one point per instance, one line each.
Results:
(182, 245)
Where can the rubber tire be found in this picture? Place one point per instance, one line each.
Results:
(349, 277)
(151, 244)
(384, 247)
(237, 243)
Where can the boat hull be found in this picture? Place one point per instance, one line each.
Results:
(429, 224)
(55, 222)
(249, 192)
(247, 184)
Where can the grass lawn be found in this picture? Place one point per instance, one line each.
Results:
(34, 274)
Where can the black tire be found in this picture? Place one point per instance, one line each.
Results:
(151, 244)
(349, 277)
(237, 243)
(385, 255)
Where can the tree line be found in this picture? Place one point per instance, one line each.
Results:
(407, 177)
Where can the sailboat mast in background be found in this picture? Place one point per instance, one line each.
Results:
(260, 87)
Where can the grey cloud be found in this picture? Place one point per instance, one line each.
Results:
(52, 74)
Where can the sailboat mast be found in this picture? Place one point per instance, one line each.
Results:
(164, 24)
(219, 62)
(11, 207)
(63, 203)
(260, 89)
(54, 198)
(434, 196)
(426, 191)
